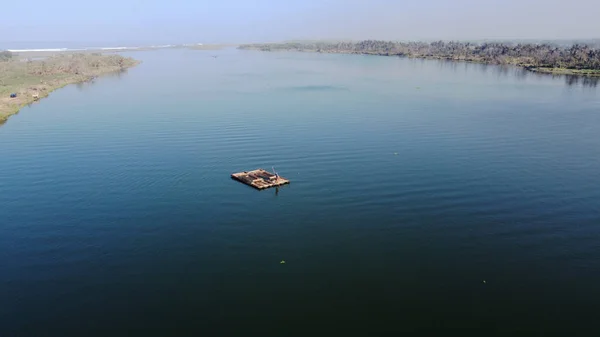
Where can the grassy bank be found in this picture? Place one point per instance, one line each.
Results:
(563, 71)
(33, 80)
(577, 60)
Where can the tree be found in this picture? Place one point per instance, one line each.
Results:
(6, 55)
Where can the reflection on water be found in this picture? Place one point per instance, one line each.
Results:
(115, 74)
(515, 71)
(585, 81)
(83, 85)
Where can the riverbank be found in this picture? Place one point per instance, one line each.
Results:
(562, 71)
(577, 60)
(34, 80)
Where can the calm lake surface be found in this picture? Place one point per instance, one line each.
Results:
(427, 197)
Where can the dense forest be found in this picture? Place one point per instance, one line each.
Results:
(576, 59)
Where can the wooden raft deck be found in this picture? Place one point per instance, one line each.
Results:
(259, 179)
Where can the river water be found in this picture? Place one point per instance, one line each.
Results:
(427, 198)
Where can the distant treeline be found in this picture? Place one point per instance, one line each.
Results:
(576, 57)
(78, 64)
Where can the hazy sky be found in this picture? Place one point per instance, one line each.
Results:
(177, 21)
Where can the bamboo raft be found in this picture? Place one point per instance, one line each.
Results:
(260, 179)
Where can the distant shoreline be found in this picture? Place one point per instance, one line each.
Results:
(43, 52)
(34, 80)
(578, 60)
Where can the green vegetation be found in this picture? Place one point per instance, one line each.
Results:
(577, 59)
(5, 55)
(32, 80)
(565, 71)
